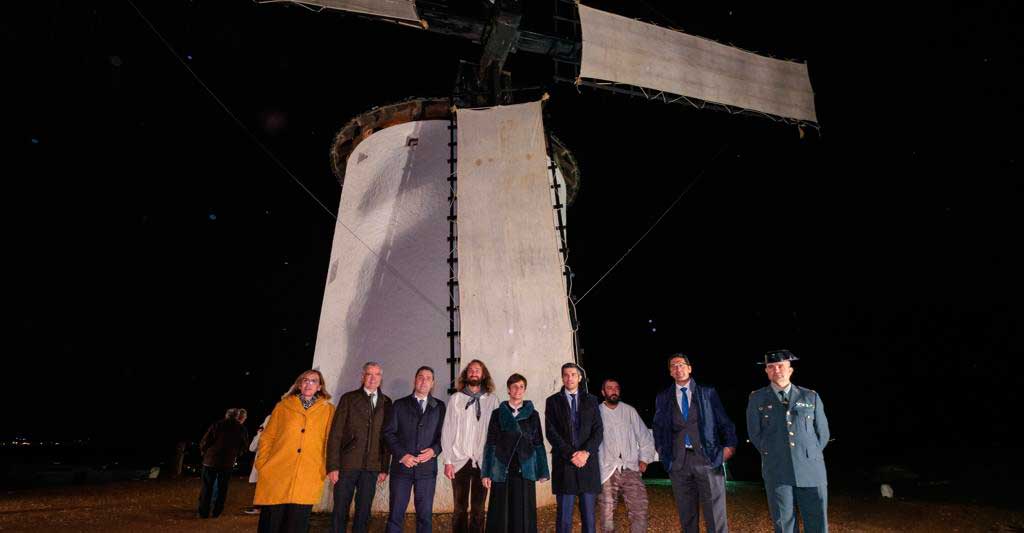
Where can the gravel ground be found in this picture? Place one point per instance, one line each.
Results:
(169, 505)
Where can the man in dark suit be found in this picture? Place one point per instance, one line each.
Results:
(573, 426)
(412, 431)
(357, 457)
(694, 438)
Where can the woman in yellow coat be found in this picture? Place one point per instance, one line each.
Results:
(292, 456)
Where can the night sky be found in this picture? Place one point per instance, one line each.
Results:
(162, 267)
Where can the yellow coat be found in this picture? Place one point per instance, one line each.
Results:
(292, 457)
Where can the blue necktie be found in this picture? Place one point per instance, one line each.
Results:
(422, 408)
(574, 418)
(686, 413)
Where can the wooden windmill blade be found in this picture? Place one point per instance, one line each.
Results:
(396, 10)
(607, 52)
(673, 65)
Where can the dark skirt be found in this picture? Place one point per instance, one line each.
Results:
(512, 507)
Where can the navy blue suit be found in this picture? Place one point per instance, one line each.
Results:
(407, 430)
(716, 428)
(690, 437)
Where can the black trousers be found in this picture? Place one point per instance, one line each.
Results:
(214, 492)
(359, 483)
(284, 518)
(469, 494)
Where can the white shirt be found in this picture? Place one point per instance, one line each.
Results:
(373, 395)
(462, 435)
(689, 394)
(626, 442)
(422, 402)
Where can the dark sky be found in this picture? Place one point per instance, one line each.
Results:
(161, 267)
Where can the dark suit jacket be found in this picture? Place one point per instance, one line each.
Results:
(407, 431)
(356, 441)
(716, 429)
(566, 478)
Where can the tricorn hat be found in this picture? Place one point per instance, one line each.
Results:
(778, 356)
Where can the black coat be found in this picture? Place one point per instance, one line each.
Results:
(223, 443)
(566, 478)
(521, 435)
(407, 431)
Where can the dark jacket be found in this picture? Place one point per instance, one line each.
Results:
(356, 440)
(566, 478)
(407, 431)
(716, 429)
(520, 434)
(223, 442)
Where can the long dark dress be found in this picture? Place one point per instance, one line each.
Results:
(513, 504)
(514, 459)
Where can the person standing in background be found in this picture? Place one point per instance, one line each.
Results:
(223, 442)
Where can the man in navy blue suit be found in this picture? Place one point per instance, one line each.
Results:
(412, 431)
(694, 438)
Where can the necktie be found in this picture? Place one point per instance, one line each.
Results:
(783, 399)
(423, 407)
(686, 413)
(574, 418)
(373, 399)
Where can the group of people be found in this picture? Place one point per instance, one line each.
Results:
(493, 451)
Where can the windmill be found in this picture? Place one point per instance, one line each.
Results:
(451, 235)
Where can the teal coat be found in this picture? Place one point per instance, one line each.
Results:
(521, 435)
(791, 441)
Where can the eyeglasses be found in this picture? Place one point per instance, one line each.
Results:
(311, 381)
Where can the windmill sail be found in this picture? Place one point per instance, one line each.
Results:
(392, 9)
(622, 50)
(512, 304)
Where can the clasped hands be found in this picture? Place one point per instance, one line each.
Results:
(579, 458)
(409, 460)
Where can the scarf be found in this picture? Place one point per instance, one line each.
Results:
(307, 404)
(475, 399)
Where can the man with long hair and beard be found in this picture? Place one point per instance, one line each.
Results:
(462, 439)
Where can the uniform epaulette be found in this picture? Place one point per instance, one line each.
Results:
(753, 392)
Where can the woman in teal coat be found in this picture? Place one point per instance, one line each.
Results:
(514, 460)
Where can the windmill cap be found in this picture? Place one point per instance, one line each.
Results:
(778, 356)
